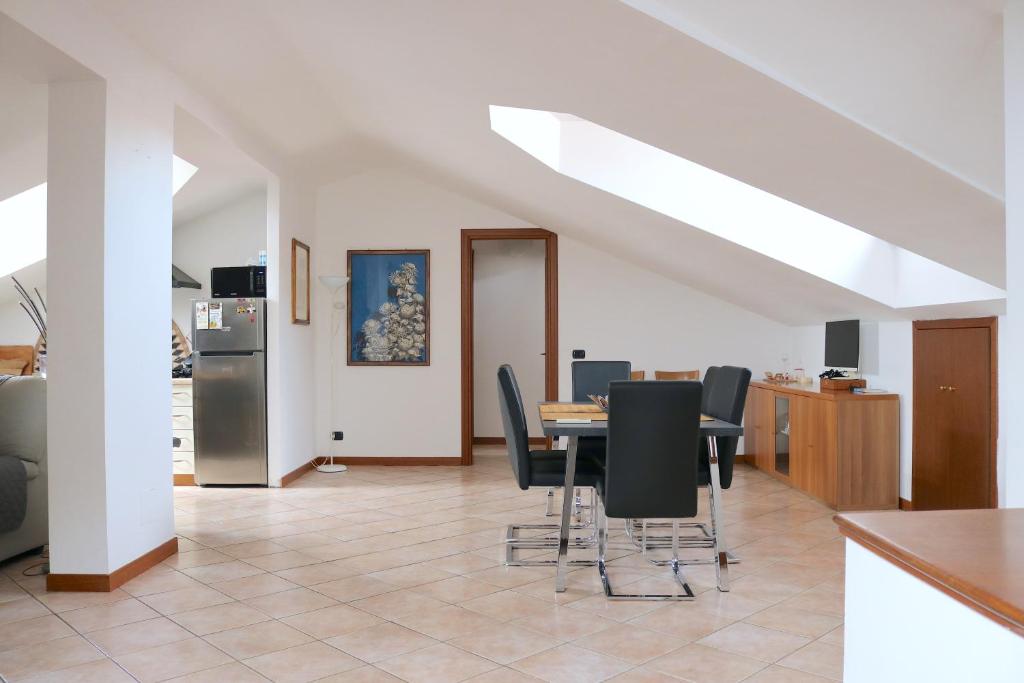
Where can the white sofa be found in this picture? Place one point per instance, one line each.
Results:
(23, 435)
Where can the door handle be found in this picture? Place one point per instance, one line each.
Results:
(946, 388)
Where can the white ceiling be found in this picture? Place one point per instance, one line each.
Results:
(338, 85)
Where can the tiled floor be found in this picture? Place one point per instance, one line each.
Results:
(385, 574)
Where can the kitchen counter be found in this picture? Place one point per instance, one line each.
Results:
(934, 596)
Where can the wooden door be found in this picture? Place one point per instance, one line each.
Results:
(954, 414)
(813, 447)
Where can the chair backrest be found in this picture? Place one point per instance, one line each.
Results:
(513, 419)
(676, 374)
(638, 375)
(593, 376)
(709, 383)
(651, 461)
(727, 400)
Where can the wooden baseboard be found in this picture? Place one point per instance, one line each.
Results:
(744, 459)
(500, 440)
(104, 583)
(297, 472)
(403, 461)
(184, 480)
(906, 504)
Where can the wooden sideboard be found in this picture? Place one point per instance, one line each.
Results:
(840, 447)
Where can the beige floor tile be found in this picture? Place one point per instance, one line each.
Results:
(253, 586)
(353, 588)
(822, 601)
(834, 637)
(257, 639)
(288, 559)
(682, 620)
(316, 573)
(332, 621)
(185, 599)
(616, 610)
(24, 608)
(463, 563)
(364, 674)
(397, 603)
(223, 571)
(142, 635)
(822, 659)
(174, 659)
(309, 662)
(446, 622)
(153, 582)
(631, 643)
(504, 675)
(699, 664)
(798, 621)
(780, 674)
(287, 603)
(206, 620)
(63, 602)
(641, 675)
(437, 664)
(456, 589)
(756, 642)
(32, 631)
(52, 655)
(506, 605)
(107, 616)
(381, 642)
(234, 672)
(99, 671)
(504, 643)
(252, 549)
(571, 664)
(564, 624)
(196, 558)
(412, 575)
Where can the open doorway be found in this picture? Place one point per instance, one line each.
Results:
(513, 274)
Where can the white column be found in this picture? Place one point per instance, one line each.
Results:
(108, 385)
(1010, 355)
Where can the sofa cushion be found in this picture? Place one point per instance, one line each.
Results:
(23, 418)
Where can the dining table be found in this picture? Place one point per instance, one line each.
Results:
(573, 420)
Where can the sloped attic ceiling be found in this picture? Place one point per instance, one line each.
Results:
(413, 82)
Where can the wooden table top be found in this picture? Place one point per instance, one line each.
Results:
(974, 556)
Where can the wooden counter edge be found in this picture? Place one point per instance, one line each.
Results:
(813, 391)
(980, 600)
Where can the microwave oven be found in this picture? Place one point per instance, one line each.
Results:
(238, 282)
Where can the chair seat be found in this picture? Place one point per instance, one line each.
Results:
(547, 468)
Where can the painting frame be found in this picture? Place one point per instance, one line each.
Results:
(300, 282)
(388, 258)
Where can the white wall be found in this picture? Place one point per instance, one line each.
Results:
(617, 311)
(622, 312)
(1013, 74)
(395, 411)
(508, 322)
(231, 235)
(899, 628)
(15, 326)
(887, 362)
(290, 370)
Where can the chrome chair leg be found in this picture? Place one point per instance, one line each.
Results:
(550, 505)
(677, 572)
(715, 498)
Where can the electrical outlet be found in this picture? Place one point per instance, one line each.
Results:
(337, 436)
(579, 353)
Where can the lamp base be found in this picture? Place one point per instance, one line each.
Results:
(332, 468)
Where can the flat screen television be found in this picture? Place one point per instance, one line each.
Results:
(842, 344)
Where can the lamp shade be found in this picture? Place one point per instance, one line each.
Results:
(333, 281)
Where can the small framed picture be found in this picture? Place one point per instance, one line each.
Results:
(300, 283)
(389, 307)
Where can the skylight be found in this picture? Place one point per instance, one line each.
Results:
(23, 221)
(736, 211)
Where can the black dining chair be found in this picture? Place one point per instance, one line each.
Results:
(651, 469)
(709, 384)
(536, 468)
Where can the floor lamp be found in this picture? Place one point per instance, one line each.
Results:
(335, 283)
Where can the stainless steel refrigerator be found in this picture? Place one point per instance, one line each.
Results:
(229, 388)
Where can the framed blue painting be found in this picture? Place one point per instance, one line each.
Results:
(388, 307)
